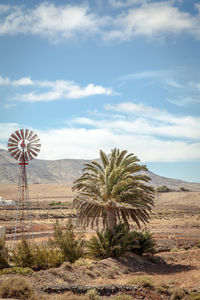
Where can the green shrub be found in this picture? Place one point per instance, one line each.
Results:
(71, 248)
(46, 256)
(143, 243)
(110, 243)
(38, 257)
(174, 250)
(22, 255)
(194, 296)
(84, 262)
(16, 287)
(163, 189)
(3, 255)
(16, 270)
(55, 203)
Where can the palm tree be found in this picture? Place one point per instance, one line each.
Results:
(114, 191)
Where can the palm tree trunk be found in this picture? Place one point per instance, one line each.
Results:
(111, 218)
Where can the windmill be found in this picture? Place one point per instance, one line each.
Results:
(24, 146)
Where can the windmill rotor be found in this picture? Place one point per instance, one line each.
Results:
(24, 145)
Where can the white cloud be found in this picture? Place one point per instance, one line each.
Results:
(184, 101)
(127, 3)
(3, 146)
(165, 76)
(152, 134)
(67, 22)
(6, 129)
(173, 83)
(85, 143)
(65, 90)
(4, 81)
(143, 119)
(50, 20)
(58, 89)
(194, 85)
(144, 75)
(4, 8)
(9, 105)
(21, 82)
(153, 19)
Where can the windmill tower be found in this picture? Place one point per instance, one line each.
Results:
(24, 146)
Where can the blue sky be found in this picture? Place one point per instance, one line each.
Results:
(90, 75)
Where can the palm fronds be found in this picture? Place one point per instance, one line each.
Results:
(113, 189)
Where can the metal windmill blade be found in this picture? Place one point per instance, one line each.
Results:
(23, 145)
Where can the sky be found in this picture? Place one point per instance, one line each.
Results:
(91, 75)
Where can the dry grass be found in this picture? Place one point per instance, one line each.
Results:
(17, 287)
(43, 192)
(143, 281)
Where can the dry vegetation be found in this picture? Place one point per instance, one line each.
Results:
(175, 222)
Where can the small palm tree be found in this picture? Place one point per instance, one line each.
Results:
(114, 191)
(113, 243)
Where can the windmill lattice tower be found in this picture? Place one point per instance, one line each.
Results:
(24, 146)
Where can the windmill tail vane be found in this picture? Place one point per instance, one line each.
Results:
(23, 145)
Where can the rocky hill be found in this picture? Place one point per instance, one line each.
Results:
(66, 171)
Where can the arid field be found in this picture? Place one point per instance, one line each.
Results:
(175, 222)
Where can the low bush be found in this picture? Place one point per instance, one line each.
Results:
(121, 297)
(194, 296)
(16, 287)
(55, 203)
(64, 247)
(22, 255)
(117, 242)
(93, 294)
(143, 243)
(3, 255)
(16, 270)
(163, 288)
(86, 262)
(46, 256)
(188, 297)
(183, 189)
(110, 243)
(70, 246)
(163, 189)
(143, 281)
(37, 257)
(178, 294)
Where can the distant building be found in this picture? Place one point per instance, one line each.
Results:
(6, 202)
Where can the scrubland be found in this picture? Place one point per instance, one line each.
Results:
(174, 221)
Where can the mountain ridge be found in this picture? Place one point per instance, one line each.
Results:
(68, 170)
